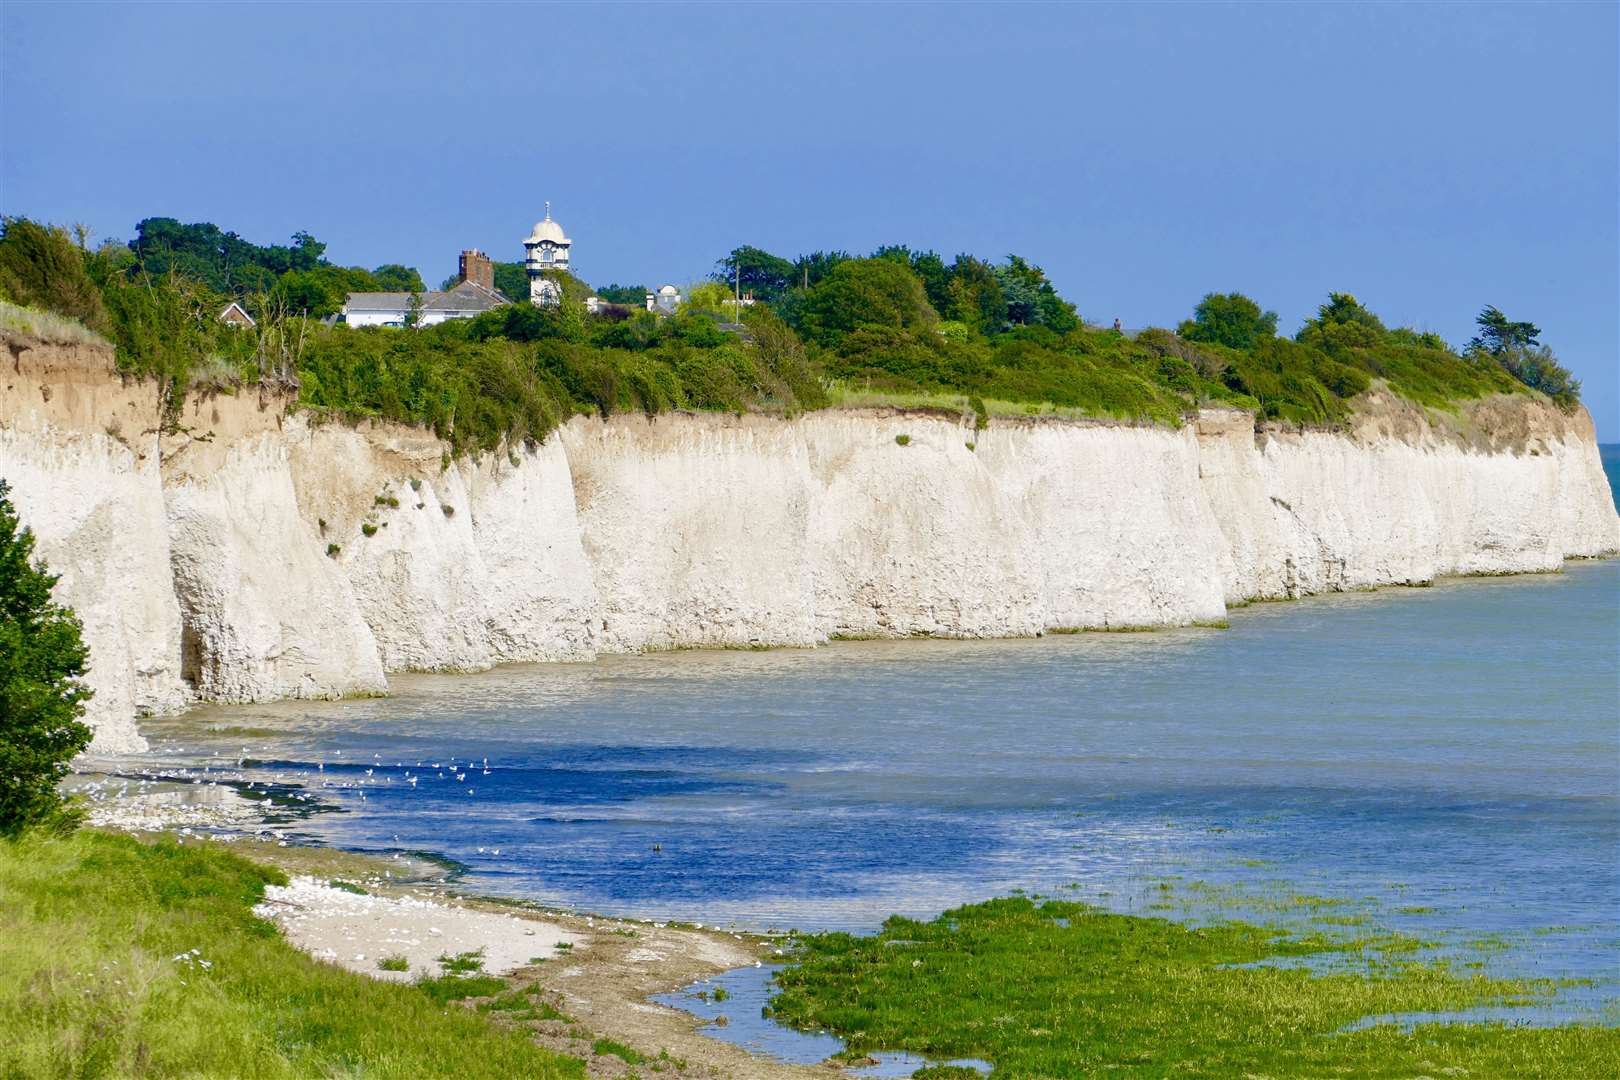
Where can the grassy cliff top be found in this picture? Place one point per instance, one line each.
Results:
(899, 328)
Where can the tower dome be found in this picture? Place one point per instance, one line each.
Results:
(546, 229)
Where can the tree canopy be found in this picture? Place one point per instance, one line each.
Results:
(1229, 319)
(1498, 334)
(297, 274)
(757, 271)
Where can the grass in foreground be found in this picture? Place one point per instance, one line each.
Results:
(1063, 989)
(119, 958)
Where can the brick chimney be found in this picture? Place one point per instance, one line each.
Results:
(477, 268)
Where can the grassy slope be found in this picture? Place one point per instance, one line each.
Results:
(90, 984)
(1121, 995)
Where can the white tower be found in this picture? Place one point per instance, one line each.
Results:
(547, 249)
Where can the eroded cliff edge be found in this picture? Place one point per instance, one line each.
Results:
(251, 553)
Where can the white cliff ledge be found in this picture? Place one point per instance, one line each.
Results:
(256, 554)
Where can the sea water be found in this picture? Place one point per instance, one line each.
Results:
(1442, 760)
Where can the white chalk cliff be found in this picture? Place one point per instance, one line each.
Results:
(250, 553)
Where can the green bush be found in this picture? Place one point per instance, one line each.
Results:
(42, 695)
(41, 266)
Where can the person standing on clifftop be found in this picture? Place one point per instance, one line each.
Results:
(1116, 326)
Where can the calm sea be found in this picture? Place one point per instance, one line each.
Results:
(1446, 760)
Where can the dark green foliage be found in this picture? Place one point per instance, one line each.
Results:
(166, 326)
(975, 296)
(471, 393)
(41, 266)
(1537, 368)
(297, 275)
(1342, 323)
(512, 279)
(755, 271)
(810, 270)
(1229, 319)
(1031, 299)
(631, 295)
(864, 293)
(394, 277)
(42, 660)
(1498, 334)
(1517, 348)
(1283, 376)
(901, 322)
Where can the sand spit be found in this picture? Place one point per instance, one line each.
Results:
(597, 973)
(357, 931)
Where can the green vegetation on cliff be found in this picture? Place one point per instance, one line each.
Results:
(899, 325)
(125, 959)
(1063, 989)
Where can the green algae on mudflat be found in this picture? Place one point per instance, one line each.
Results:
(1056, 988)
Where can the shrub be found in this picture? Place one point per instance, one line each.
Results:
(42, 267)
(42, 661)
(1537, 368)
(393, 963)
(902, 440)
(333, 550)
(369, 529)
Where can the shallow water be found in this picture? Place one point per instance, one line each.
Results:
(749, 990)
(1443, 758)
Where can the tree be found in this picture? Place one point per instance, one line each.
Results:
(512, 279)
(809, 270)
(1229, 319)
(710, 296)
(395, 277)
(633, 295)
(765, 275)
(42, 659)
(1342, 323)
(1539, 369)
(1497, 334)
(976, 297)
(1031, 299)
(935, 276)
(866, 292)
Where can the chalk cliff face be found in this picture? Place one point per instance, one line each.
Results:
(251, 553)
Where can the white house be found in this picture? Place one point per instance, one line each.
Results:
(473, 295)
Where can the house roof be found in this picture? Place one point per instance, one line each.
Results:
(467, 296)
(241, 313)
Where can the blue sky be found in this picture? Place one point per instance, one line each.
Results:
(1429, 159)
